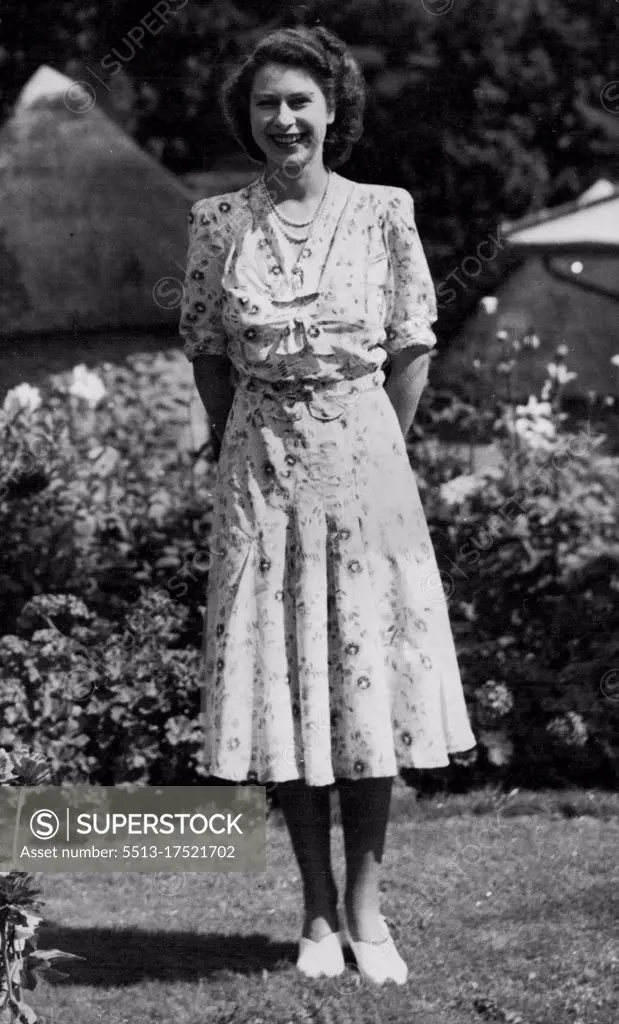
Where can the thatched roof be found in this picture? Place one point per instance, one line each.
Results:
(89, 222)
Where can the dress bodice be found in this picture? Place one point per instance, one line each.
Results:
(359, 289)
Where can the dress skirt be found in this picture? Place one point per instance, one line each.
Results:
(328, 648)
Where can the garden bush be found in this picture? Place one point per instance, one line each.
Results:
(529, 556)
(97, 497)
(21, 963)
(107, 705)
(105, 508)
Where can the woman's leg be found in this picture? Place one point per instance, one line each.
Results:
(364, 805)
(307, 813)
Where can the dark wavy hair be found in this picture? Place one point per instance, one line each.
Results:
(323, 55)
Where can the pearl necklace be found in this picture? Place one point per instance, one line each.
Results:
(285, 224)
(296, 240)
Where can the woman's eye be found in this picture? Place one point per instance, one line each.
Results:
(273, 103)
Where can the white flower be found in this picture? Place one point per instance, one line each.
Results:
(558, 372)
(569, 728)
(534, 423)
(534, 409)
(460, 488)
(615, 360)
(562, 350)
(546, 428)
(490, 304)
(537, 434)
(468, 607)
(104, 458)
(24, 396)
(531, 341)
(495, 697)
(87, 385)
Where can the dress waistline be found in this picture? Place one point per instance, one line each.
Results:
(303, 390)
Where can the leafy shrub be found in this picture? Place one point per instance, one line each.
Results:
(106, 518)
(98, 496)
(107, 705)
(20, 908)
(529, 557)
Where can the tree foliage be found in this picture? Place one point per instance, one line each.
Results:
(485, 112)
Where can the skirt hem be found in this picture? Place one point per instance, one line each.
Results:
(451, 757)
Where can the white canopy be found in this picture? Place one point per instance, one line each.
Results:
(588, 225)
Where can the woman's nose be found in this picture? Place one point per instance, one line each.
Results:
(284, 116)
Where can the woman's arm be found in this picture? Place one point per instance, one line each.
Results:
(407, 379)
(212, 379)
(200, 326)
(411, 309)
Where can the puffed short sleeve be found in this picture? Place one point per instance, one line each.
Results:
(410, 294)
(200, 323)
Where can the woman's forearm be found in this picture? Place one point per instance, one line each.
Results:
(408, 377)
(212, 379)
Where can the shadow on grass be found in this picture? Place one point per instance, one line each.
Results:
(125, 956)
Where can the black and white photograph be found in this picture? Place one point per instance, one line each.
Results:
(309, 481)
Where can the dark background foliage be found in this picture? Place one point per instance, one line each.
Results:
(486, 112)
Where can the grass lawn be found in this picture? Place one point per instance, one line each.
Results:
(506, 909)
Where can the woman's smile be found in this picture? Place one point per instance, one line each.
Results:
(288, 110)
(287, 141)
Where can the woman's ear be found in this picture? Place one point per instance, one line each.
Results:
(331, 116)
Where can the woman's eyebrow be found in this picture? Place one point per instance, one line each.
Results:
(292, 95)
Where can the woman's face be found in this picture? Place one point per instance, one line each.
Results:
(289, 114)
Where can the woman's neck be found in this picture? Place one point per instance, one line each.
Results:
(296, 183)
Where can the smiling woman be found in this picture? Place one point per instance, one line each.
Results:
(329, 657)
(331, 87)
(289, 114)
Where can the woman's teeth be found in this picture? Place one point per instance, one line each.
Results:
(287, 140)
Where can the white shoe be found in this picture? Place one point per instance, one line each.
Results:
(323, 958)
(378, 961)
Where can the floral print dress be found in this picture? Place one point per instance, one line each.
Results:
(328, 647)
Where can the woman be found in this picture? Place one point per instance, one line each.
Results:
(329, 654)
